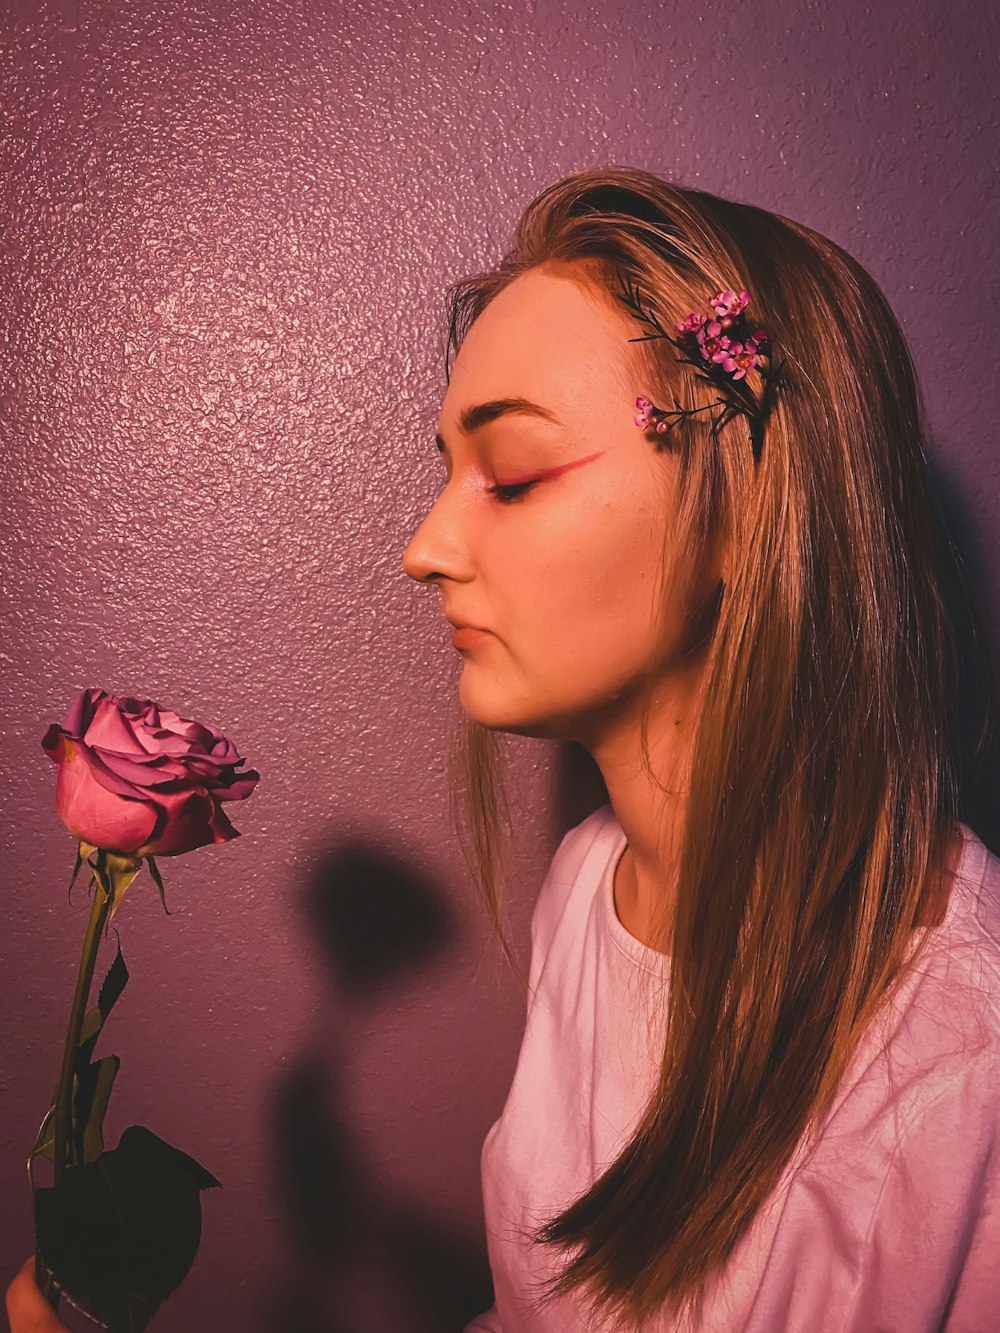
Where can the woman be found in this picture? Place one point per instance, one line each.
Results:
(708, 556)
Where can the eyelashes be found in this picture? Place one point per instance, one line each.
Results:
(507, 494)
(510, 493)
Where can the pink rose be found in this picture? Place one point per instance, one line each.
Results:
(139, 780)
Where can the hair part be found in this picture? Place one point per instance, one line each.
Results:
(825, 797)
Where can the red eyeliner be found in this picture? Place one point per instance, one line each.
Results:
(553, 471)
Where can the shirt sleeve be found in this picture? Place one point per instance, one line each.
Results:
(487, 1322)
(931, 1259)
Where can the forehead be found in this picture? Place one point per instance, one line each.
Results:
(550, 337)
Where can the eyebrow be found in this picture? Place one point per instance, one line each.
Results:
(481, 414)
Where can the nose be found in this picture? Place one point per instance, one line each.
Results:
(437, 549)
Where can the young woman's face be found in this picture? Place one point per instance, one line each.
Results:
(563, 574)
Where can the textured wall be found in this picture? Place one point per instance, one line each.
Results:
(227, 231)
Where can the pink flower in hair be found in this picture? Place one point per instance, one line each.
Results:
(709, 340)
(727, 351)
(729, 303)
(691, 324)
(744, 358)
(644, 412)
(725, 356)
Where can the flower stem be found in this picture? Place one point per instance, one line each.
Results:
(64, 1096)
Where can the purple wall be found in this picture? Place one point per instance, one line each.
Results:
(227, 232)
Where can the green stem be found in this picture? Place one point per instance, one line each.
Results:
(64, 1096)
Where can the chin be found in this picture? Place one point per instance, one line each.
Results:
(499, 714)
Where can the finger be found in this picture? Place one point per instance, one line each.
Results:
(25, 1302)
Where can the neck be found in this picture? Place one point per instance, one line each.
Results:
(651, 809)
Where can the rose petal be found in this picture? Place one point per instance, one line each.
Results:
(107, 726)
(240, 787)
(190, 819)
(151, 771)
(89, 809)
(82, 710)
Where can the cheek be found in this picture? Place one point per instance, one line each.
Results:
(591, 571)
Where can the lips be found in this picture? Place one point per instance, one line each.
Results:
(463, 624)
(466, 636)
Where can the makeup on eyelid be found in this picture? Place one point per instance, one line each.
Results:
(547, 473)
(550, 472)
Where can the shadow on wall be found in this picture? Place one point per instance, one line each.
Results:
(366, 1260)
(978, 683)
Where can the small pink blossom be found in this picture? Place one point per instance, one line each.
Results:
(725, 356)
(740, 359)
(644, 412)
(729, 303)
(691, 324)
(747, 359)
(710, 341)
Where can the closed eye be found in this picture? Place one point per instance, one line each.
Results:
(505, 494)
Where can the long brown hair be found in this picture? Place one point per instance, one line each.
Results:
(824, 802)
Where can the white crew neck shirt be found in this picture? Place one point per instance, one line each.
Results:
(893, 1221)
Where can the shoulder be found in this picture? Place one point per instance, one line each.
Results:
(895, 1194)
(979, 878)
(961, 966)
(599, 828)
(931, 1056)
(946, 1017)
(579, 849)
